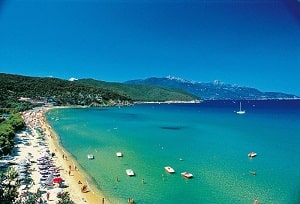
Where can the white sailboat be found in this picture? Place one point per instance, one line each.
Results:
(241, 111)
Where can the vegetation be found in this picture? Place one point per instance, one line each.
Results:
(9, 186)
(139, 92)
(8, 129)
(65, 198)
(82, 92)
(58, 91)
(9, 189)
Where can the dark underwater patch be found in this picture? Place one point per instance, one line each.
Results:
(171, 127)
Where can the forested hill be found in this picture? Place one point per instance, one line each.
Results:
(79, 92)
(62, 92)
(139, 92)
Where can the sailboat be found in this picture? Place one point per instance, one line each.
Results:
(241, 111)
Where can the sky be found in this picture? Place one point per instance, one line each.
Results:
(254, 43)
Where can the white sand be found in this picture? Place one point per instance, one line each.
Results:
(30, 148)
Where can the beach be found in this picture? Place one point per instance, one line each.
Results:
(39, 142)
(222, 174)
(212, 141)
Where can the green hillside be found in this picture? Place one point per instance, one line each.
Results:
(61, 92)
(142, 92)
(81, 92)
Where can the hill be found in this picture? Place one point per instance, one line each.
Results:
(20, 92)
(16, 90)
(213, 91)
(142, 92)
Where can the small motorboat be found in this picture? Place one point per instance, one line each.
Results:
(169, 169)
(129, 172)
(119, 154)
(90, 156)
(187, 175)
(252, 154)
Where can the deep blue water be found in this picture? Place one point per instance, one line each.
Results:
(210, 137)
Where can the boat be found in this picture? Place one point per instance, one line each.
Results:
(252, 154)
(90, 156)
(187, 175)
(129, 172)
(169, 169)
(119, 154)
(241, 111)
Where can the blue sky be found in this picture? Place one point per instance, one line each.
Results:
(252, 43)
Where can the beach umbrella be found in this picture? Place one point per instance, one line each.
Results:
(57, 180)
(57, 190)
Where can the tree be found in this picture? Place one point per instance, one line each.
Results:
(9, 189)
(9, 186)
(30, 198)
(65, 198)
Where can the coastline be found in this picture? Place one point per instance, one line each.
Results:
(70, 171)
(229, 175)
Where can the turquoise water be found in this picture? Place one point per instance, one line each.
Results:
(211, 139)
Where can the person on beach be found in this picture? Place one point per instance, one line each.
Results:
(84, 188)
(48, 195)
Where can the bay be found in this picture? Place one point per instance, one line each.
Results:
(208, 140)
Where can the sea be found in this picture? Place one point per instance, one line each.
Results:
(208, 140)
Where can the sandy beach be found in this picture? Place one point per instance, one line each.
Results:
(43, 143)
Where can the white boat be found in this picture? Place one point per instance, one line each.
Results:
(169, 169)
(119, 154)
(241, 111)
(90, 156)
(187, 175)
(252, 154)
(129, 172)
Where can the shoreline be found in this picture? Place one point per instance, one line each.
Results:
(70, 171)
(77, 174)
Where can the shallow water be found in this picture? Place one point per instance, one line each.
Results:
(212, 141)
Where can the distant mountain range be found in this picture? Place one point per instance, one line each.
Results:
(213, 91)
(22, 92)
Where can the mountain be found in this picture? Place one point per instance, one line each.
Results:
(20, 92)
(213, 91)
(142, 92)
(16, 90)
